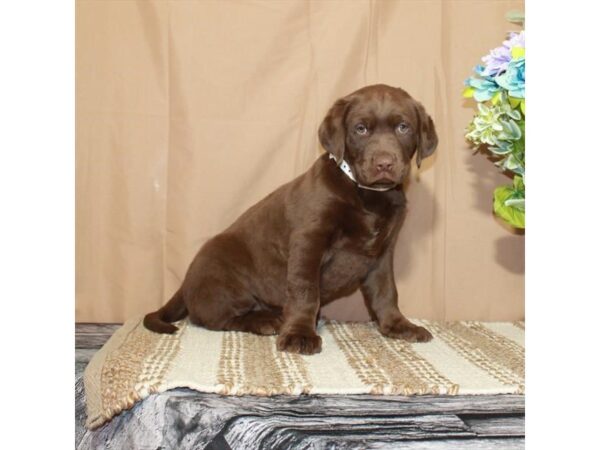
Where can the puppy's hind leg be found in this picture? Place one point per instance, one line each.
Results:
(265, 322)
(225, 306)
(219, 290)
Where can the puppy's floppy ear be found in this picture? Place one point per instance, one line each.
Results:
(332, 132)
(427, 139)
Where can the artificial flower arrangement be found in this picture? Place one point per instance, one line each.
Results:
(498, 86)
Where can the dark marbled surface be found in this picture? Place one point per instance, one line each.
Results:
(186, 419)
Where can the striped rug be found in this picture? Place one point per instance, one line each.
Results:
(463, 357)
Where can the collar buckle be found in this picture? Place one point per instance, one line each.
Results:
(348, 171)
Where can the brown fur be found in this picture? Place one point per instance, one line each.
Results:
(318, 237)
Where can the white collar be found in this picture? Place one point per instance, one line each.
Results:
(348, 171)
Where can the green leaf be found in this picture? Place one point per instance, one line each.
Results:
(511, 214)
(500, 151)
(514, 102)
(519, 184)
(518, 203)
(517, 52)
(468, 92)
(515, 16)
(503, 148)
(483, 109)
(513, 114)
(515, 131)
(497, 97)
(513, 164)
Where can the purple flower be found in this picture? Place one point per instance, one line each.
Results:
(516, 40)
(497, 60)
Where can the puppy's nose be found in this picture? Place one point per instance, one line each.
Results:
(384, 163)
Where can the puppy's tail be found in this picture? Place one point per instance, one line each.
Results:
(173, 311)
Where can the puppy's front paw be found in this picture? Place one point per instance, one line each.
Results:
(306, 344)
(407, 331)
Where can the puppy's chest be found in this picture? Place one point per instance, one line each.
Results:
(365, 234)
(356, 247)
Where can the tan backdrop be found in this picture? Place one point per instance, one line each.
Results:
(188, 112)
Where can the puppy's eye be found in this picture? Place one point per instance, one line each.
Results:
(402, 128)
(361, 129)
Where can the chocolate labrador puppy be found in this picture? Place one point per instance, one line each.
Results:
(319, 237)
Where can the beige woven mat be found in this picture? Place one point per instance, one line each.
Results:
(463, 357)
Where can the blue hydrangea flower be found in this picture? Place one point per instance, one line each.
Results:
(513, 80)
(484, 87)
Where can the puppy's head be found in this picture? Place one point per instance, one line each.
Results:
(377, 130)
